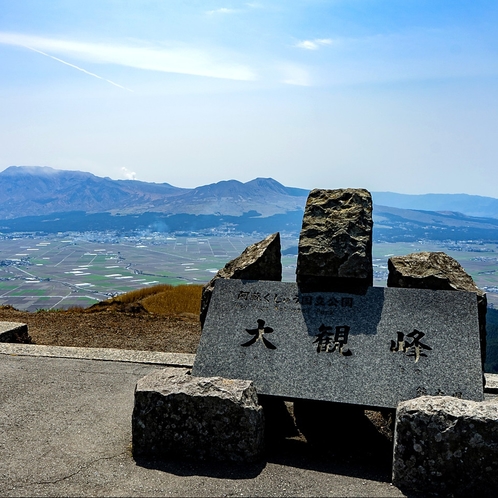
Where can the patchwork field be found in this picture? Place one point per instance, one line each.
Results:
(48, 272)
(479, 259)
(59, 272)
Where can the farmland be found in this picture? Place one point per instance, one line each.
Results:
(479, 259)
(49, 272)
(79, 269)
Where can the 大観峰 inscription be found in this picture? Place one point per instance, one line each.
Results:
(414, 348)
(329, 342)
(258, 334)
(372, 349)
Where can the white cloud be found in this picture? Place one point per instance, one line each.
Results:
(129, 175)
(307, 44)
(222, 10)
(314, 44)
(171, 59)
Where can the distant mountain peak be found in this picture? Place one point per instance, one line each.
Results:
(34, 170)
(42, 190)
(41, 171)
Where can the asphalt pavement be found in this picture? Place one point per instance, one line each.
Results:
(65, 430)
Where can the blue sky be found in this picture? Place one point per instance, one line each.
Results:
(398, 95)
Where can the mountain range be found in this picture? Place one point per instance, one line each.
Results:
(35, 190)
(32, 197)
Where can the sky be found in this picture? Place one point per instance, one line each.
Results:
(387, 95)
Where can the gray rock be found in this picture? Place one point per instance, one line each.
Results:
(437, 271)
(335, 245)
(429, 270)
(197, 418)
(259, 261)
(14, 332)
(447, 446)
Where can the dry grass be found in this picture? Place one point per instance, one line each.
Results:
(160, 299)
(179, 299)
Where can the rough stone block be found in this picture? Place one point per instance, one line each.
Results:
(197, 418)
(335, 244)
(437, 271)
(446, 446)
(259, 261)
(14, 332)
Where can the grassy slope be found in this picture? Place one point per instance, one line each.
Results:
(159, 299)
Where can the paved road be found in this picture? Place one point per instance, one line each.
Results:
(65, 430)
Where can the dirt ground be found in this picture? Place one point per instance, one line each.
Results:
(110, 329)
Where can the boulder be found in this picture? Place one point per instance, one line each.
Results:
(437, 271)
(446, 446)
(14, 332)
(259, 261)
(196, 418)
(335, 244)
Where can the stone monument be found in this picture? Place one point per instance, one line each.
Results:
(331, 342)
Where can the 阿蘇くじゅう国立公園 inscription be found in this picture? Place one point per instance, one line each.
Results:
(374, 349)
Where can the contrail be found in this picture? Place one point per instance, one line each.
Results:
(78, 68)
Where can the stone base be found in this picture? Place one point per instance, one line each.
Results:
(197, 418)
(279, 423)
(446, 446)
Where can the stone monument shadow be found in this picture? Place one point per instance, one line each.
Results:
(340, 308)
(373, 464)
(214, 469)
(367, 459)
